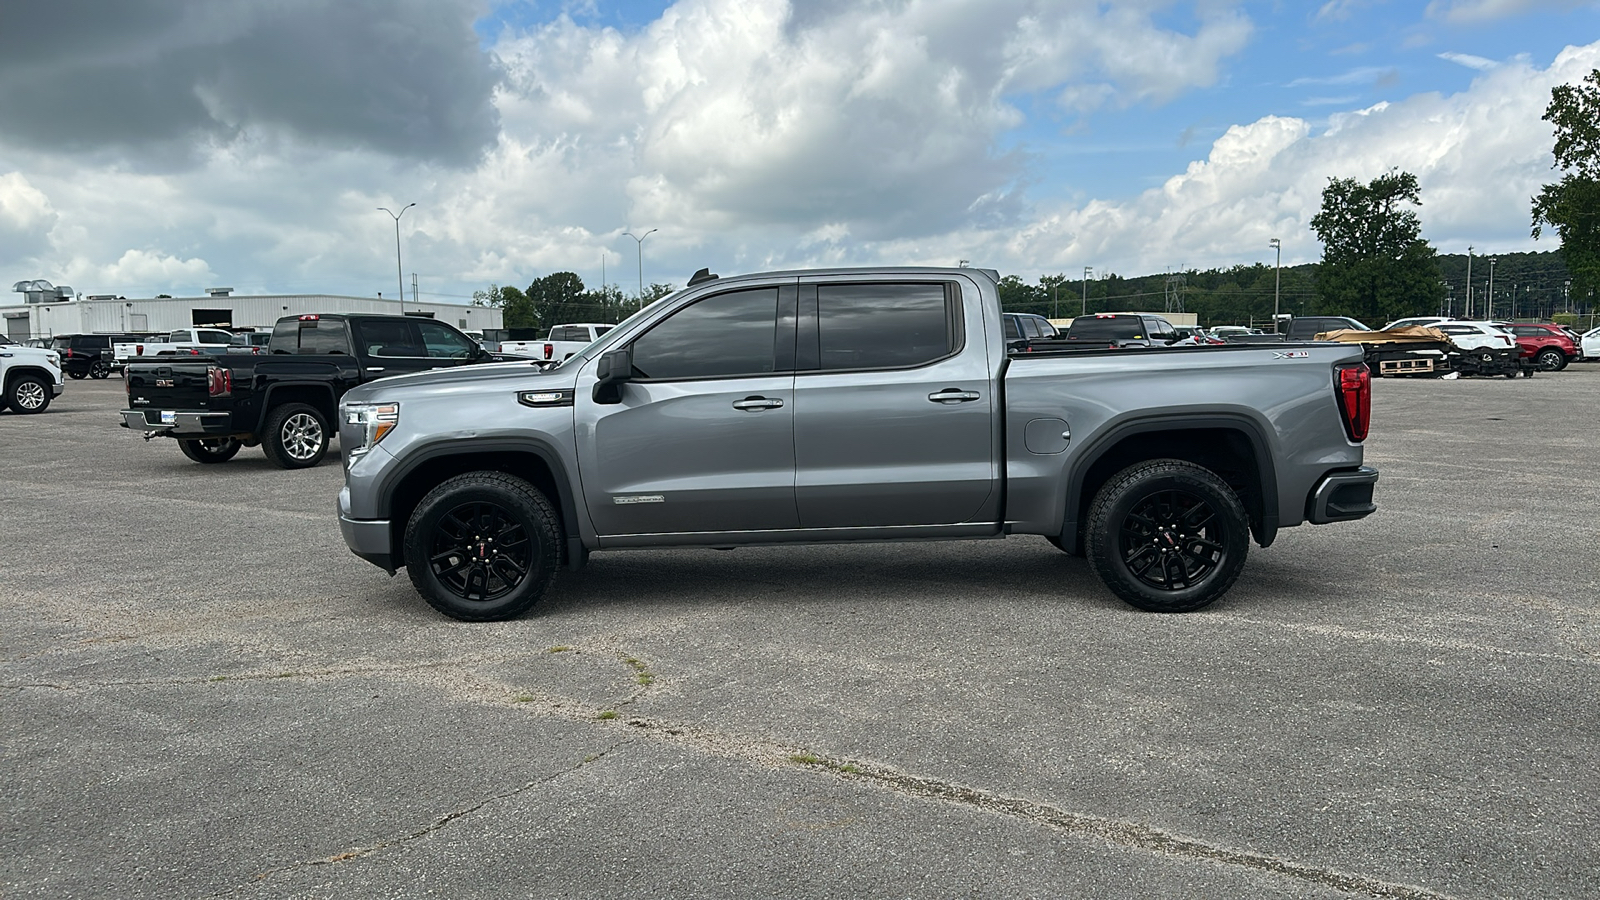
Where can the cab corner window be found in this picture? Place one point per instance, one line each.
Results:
(880, 326)
(720, 336)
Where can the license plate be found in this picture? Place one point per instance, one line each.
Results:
(169, 417)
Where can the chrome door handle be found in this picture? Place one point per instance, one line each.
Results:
(749, 404)
(952, 395)
(374, 368)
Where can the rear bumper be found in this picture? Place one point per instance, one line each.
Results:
(180, 423)
(366, 538)
(1342, 496)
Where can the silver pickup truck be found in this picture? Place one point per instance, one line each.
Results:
(850, 405)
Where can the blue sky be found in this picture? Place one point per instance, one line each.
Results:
(184, 145)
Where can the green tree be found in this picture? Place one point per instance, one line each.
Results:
(556, 299)
(1017, 295)
(655, 292)
(1375, 264)
(1572, 205)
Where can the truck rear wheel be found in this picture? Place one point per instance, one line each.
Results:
(483, 546)
(209, 450)
(1167, 535)
(296, 436)
(101, 370)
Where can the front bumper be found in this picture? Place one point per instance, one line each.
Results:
(1342, 496)
(366, 538)
(177, 423)
(57, 388)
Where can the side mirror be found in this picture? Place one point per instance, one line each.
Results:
(614, 368)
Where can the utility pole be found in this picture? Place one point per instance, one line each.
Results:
(1469, 282)
(1488, 303)
(1086, 271)
(1277, 281)
(399, 275)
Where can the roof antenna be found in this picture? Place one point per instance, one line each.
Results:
(701, 277)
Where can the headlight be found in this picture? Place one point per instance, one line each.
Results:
(375, 420)
(54, 359)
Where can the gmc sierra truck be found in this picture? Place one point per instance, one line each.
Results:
(285, 401)
(850, 405)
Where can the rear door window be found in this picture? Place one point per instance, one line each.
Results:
(1106, 328)
(443, 342)
(323, 336)
(389, 338)
(883, 326)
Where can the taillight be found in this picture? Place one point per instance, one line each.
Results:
(1354, 389)
(549, 351)
(138, 349)
(219, 381)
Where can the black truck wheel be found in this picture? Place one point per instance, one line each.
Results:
(483, 546)
(210, 450)
(100, 370)
(28, 394)
(296, 436)
(77, 376)
(1167, 535)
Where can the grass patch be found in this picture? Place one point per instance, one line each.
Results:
(607, 714)
(523, 698)
(560, 648)
(641, 672)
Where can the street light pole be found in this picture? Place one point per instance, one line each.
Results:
(1086, 271)
(1277, 282)
(641, 258)
(1488, 303)
(399, 277)
(1469, 282)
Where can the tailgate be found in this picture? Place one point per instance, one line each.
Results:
(175, 385)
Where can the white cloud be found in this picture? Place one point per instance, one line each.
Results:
(26, 215)
(1474, 11)
(1470, 61)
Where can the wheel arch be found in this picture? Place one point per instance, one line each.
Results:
(1234, 446)
(402, 489)
(314, 394)
(15, 372)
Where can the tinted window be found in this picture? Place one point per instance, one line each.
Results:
(1013, 332)
(725, 334)
(389, 338)
(1106, 328)
(444, 342)
(875, 326)
(215, 337)
(284, 336)
(323, 336)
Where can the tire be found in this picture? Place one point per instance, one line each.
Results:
(28, 394)
(483, 547)
(1551, 360)
(77, 376)
(210, 450)
(296, 436)
(1157, 501)
(100, 371)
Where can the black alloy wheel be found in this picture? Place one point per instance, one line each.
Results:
(77, 376)
(483, 546)
(1167, 535)
(1551, 360)
(100, 370)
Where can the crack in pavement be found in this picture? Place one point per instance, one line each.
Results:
(430, 828)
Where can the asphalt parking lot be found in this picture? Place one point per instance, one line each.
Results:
(206, 695)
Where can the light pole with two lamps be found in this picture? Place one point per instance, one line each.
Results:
(1277, 282)
(398, 277)
(641, 258)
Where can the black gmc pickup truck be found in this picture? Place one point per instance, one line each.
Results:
(287, 400)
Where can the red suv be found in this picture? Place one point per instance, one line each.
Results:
(1550, 345)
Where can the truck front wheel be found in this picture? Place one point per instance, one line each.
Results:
(28, 394)
(483, 546)
(296, 436)
(1167, 535)
(209, 450)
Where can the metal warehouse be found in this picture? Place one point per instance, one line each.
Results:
(116, 315)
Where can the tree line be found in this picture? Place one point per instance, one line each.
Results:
(560, 298)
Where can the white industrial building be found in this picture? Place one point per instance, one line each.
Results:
(44, 316)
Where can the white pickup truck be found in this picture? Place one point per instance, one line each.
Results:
(184, 341)
(562, 342)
